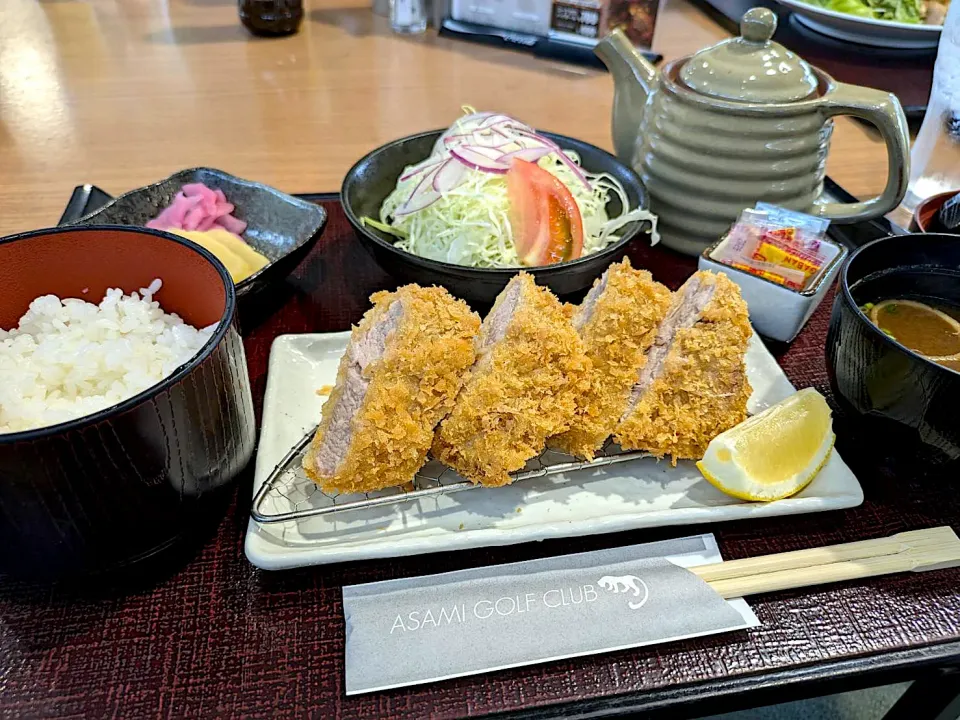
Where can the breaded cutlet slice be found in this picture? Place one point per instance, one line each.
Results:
(402, 370)
(521, 390)
(694, 384)
(617, 321)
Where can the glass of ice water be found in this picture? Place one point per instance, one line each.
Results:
(408, 16)
(935, 158)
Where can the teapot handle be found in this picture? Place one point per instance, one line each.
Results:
(883, 111)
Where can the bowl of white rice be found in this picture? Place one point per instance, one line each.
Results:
(125, 402)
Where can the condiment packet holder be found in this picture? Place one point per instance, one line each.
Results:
(776, 311)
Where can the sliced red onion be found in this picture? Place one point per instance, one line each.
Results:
(503, 121)
(524, 135)
(423, 166)
(506, 147)
(423, 195)
(574, 168)
(495, 119)
(488, 152)
(490, 144)
(489, 140)
(530, 154)
(476, 139)
(449, 176)
(534, 141)
(462, 129)
(458, 138)
(418, 202)
(475, 118)
(477, 160)
(537, 137)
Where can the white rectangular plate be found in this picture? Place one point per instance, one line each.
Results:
(635, 494)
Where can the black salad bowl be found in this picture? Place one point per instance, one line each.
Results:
(910, 401)
(374, 177)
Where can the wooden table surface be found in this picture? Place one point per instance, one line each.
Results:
(120, 93)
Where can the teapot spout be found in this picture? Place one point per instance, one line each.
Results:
(633, 79)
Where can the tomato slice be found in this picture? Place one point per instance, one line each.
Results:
(544, 217)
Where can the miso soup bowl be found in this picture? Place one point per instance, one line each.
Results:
(118, 486)
(911, 400)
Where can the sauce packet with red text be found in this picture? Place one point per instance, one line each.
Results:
(780, 245)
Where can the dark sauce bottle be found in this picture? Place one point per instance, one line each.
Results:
(271, 17)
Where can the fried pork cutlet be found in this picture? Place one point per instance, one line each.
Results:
(618, 322)
(400, 374)
(521, 390)
(694, 383)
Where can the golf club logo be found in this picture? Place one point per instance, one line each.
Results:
(627, 584)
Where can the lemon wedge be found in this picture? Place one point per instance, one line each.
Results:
(773, 454)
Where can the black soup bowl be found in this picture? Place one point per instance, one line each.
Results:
(118, 486)
(910, 400)
(373, 178)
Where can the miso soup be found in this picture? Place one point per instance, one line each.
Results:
(928, 329)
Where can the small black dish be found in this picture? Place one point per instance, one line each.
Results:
(373, 178)
(280, 226)
(907, 398)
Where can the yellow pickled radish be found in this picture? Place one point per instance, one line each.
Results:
(240, 259)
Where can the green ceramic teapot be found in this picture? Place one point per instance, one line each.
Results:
(742, 121)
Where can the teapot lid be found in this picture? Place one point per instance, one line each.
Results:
(751, 68)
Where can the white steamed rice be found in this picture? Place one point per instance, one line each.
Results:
(69, 358)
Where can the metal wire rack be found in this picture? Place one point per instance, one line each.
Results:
(288, 494)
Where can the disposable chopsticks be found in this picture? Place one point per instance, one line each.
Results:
(916, 550)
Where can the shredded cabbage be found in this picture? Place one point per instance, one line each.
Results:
(905, 11)
(470, 224)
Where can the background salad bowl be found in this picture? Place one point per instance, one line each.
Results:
(837, 22)
(374, 177)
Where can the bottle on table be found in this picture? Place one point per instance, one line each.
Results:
(271, 17)
(935, 158)
(408, 16)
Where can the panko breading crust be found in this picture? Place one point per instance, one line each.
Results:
(621, 329)
(703, 388)
(521, 391)
(412, 387)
